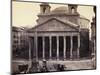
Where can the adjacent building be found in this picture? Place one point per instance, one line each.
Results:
(19, 43)
(93, 38)
(93, 32)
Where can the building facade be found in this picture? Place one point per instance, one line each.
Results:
(93, 30)
(19, 43)
(60, 38)
(93, 37)
(60, 34)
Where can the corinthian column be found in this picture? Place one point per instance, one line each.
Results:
(78, 52)
(71, 47)
(50, 41)
(57, 48)
(64, 48)
(43, 41)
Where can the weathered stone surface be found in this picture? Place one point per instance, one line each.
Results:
(55, 25)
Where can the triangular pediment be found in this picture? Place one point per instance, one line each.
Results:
(55, 25)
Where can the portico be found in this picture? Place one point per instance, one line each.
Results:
(57, 45)
(56, 40)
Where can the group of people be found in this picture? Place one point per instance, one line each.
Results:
(43, 68)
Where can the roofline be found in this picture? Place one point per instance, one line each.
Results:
(55, 19)
(55, 14)
(84, 18)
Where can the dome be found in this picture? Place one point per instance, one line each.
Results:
(61, 9)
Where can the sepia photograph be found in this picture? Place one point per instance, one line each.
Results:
(52, 37)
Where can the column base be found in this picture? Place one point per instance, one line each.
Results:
(43, 59)
(50, 59)
(57, 59)
(78, 57)
(71, 59)
(64, 59)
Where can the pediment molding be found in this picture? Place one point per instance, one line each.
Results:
(55, 24)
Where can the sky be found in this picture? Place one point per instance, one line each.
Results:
(24, 14)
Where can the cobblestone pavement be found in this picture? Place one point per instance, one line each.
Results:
(74, 65)
(69, 64)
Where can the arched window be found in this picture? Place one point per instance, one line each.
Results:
(72, 10)
(44, 9)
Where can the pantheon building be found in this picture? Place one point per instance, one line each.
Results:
(60, 34)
